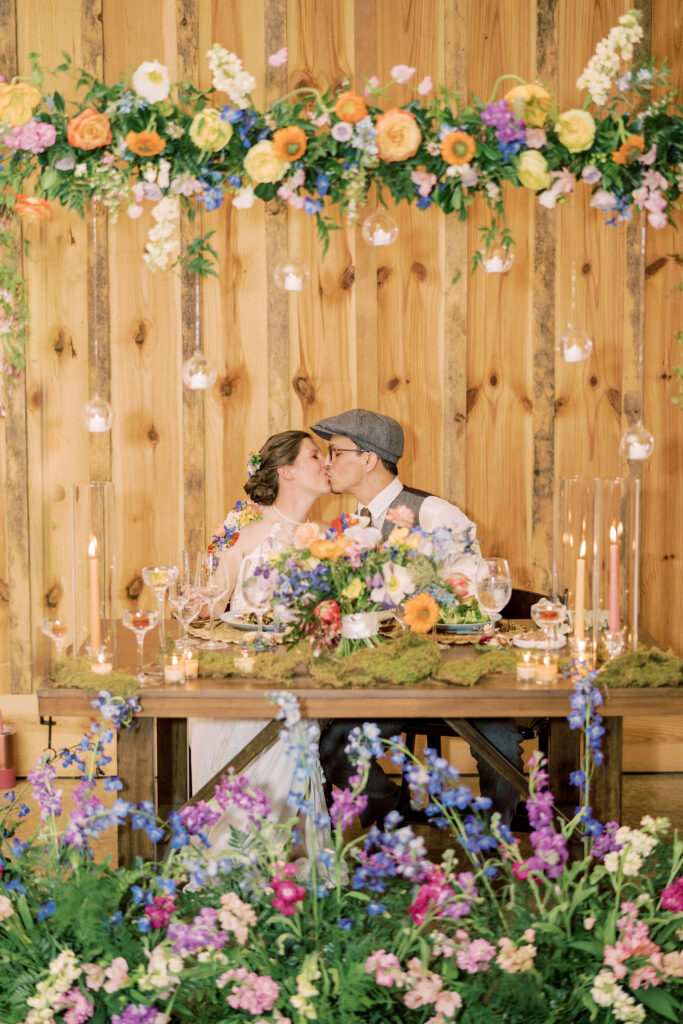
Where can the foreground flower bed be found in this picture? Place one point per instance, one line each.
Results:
(369, 931)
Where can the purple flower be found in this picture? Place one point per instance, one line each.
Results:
(346, 805)
(134, 1014)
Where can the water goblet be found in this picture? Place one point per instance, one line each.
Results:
(211, 588)
(493, 585)
(185, 604)
(140, 622)
(548, 616)
(259, 577)
(158, 577)
(56, 631)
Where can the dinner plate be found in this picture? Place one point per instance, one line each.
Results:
(238, 620)
(465, 627)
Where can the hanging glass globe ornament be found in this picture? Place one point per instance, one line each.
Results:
(497, 259)
(637, 443)
(380, 228)
(198, 373)
(573, 344)
(291, 274)
(97, 415)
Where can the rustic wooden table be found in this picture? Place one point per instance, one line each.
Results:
(153, 755)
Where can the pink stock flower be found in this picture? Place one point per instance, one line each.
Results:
(276, 60)
(159, 911)
(475, 957)
(78, 1008)
(425, 86)
(649, 158)
(373, 83)
(401, 73)
(116, 974)
(386, 969)
(672, 896)
(287, 895)
(401, 516)
(425, 182)
(255, 993)
(536, 138)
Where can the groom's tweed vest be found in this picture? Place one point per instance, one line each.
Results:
(412, 499)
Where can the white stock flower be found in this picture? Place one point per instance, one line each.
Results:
(244, 199)
(151, 81)
(604, 988)
(6, 908)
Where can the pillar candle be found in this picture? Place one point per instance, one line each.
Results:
(613, 581)
(580, 590)
(95, 638)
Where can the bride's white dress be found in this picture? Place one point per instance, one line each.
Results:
(215, 741)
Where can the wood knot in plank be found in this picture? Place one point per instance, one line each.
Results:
(4, 592)
(393, 383)
(586, 268)
(35, 399)
(493, 380)
(527, 404)
(559, 403)
(53, 595)
(614, 399)
(382, 274)
(140, 336)
(305, 82)
(61, 342)
(419, 270)
(227, 386)
(274, 206)
(304, 389)
(593, 381)
(348, 277)
(656, 265)
(472, 396)
(134, 588)
(153, 434)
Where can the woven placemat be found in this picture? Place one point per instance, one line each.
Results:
(230, 634)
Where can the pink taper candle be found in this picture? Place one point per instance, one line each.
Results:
(580, 590)
(613, 581)
(95, 639)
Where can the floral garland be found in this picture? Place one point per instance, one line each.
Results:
(224, 536)
(145, 139)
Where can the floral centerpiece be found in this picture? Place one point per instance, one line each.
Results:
(369, 930)
(145, 139)
(331, 585)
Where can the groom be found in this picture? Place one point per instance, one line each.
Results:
(364, 448)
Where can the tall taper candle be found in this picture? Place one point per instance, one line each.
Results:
(95, 635)
(613, 581)
(580, 591)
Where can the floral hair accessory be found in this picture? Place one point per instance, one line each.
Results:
(253, 463)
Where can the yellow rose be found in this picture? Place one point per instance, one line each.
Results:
(398, 135)
(209, 132)
(354, 589)
(398, 534)
(17, 102)
(576, 130)
(531, 102)
(262, 165)
(532, 170)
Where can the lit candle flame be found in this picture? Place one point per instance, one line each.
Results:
(92, 547)
(612, 534)
(582, 551)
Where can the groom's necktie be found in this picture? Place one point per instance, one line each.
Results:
(365, 511)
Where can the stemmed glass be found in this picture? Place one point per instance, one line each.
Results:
(212, 588)
(56, 630)
(259, 577)
(158, 577)
(140, 622)
(548, 615)
(493, 584)
(185, 604)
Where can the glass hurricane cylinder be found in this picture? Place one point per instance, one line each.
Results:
(93, 557)
(574, 557)
(617, 529)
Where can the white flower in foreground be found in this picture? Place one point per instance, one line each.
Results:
(244, 199)
(151, 81)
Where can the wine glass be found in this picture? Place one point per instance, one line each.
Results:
(493, 584)
(140, 622)
(259, 577)
(212, 588)
(548, 615)
(56, 630)
(185, 604)
(158, 577)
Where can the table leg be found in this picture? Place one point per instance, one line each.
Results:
(172, 760)
(564, 756)
(135, 760)
(605, 793)
(466, 728)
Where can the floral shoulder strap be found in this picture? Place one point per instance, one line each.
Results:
(226, 535)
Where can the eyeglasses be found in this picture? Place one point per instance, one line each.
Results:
(334, 452)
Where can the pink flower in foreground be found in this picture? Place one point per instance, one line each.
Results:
(672, 896)
(386, 968)
(276, 60)
(256, 993)
(536, 138)
(116, 974)
(401, 516)
(401, 73)
(287, 895)
(425, 86)
(372, 84)
(425, 183)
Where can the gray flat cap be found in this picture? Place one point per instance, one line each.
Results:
(369, 430)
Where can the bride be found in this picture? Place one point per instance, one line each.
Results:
(286, 476)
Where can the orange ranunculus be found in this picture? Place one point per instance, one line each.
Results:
(530, 102)
(89, 130)
(17, 102)
(145, 143)
(458, 148)
(398, 135)
(350, 107)
(290, 143)
(332, 550)
(32, 207)
(421, 613)
(630, 150)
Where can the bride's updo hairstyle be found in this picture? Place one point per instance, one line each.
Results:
(279, 450)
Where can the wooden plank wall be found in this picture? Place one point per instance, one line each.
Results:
(491, 415)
